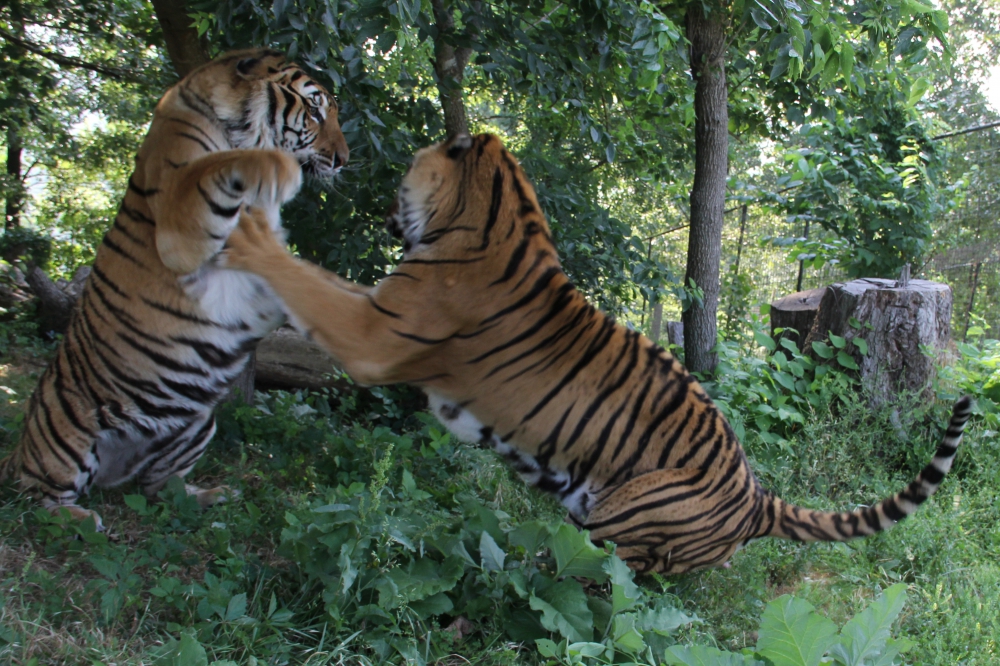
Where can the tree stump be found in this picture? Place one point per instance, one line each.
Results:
(675, 333)
(796, 312)
(896, 322)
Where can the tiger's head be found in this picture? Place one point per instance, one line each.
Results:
(262, 101)
(449, 182)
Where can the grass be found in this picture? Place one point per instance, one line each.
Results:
(235, 583)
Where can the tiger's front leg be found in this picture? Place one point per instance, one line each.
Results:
(200, 201)
(660, 522)
(379, 335)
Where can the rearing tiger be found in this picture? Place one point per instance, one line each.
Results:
(161, 331)
(480, 315)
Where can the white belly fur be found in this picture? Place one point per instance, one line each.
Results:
(466, 427)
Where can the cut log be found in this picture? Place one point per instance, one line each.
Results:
(795, 314)
(286, 360)
(896, 322)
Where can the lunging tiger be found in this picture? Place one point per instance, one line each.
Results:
(480, 315)
(161, 330)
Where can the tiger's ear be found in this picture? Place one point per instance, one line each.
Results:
(249, 68)
(458, 146)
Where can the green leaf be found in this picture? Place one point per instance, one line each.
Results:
(185, 652)
(822, 350)
(418, 580)
(917, 90)
(436, 604)
(793, 634)
(491, 554)
(625, 635)
(847, 62)
(703, 655)
(664, 620)
(764, 340)
(624, 592)
(237, 607)
(564, 610)
(530, 535)
(862, 346)
(838, 341)
(547, 648)
(845, 360)
(576, 555)
(865, 637)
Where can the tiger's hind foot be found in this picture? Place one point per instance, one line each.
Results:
(211, 496)
(206, 497)
(78, 513)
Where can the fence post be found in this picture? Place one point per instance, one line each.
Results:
(805, 236)
(972, 298)
(739, 245)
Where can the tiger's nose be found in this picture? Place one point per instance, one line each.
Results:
(339, 158)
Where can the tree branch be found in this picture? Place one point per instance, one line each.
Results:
(69, 61)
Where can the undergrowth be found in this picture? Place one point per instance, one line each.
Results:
(366, 535)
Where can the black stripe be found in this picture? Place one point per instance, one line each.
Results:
(516, 257)
(216, 208)
(563, 298)
(201, 143)
(205, 134)
(114, 247)
(162, 360)
(135, 216)
(138, 190)
(388, 313)
(539, 287)
(242, 326)
(495, 200)
(216, 356)
(595, 347)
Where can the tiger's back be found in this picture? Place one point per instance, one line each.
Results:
(160, 330)
(480, 315)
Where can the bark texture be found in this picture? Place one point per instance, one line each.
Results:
(449, 68)
(187, 51)
(708, 194)
(796, 311)
(897, 323)
(56, 300)
(15, 187)
(286, 360)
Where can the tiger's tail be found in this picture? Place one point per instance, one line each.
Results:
(792, 522)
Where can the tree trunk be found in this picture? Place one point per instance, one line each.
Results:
(449, 69)
(708, 194)
(14, 196)
(186, 49)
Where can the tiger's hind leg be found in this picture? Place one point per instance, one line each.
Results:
(662, 521)
(177, 458)
(56, 460)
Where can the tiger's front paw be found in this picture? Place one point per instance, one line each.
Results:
(268, 179)
(252, 245)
